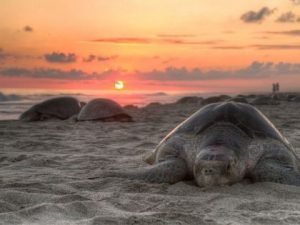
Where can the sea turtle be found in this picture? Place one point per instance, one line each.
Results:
(221, 144)
(238, 99)
(264, 100)
(104, 110)
(55, 108)
(215, 99)
(190, 100)
(295, 99)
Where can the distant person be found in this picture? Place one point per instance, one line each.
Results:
(274, 88)
(277, 87)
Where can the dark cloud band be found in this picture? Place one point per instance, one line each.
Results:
(255, 70)
(159, 40)
(60, 57)
(92, 58)
(286, 32)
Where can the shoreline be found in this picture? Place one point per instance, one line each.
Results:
(15, 108)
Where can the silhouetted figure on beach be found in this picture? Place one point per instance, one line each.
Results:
(277, 87)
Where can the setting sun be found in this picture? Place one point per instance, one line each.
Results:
(119, 85)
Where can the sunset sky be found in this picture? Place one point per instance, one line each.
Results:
(154, 45)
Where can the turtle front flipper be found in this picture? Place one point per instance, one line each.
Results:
(275, 171)
(168, 171)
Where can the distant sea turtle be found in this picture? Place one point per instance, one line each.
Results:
(238, 99)
(104, 110)
(221, 144)
(264, 100)
(55, 108)
(295, 99)
(289, 97)
(190, 100)
(215, 99)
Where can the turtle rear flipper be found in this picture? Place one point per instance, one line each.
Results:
(275, 171)
(169, 171)
(149, 158)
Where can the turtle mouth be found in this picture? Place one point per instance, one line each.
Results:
(214, 174)
(215, 169)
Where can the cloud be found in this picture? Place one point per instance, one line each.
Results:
(50, 73)
(3, 55)
(296, 2)
(92, 58)
(104, 58)
(158, 40)
(28, 29)
(60, 57)
(187, 42)
(259, 47)
(229, 47)
(257, 17)
(286, 32)
(276, 47)
(44, 73)
(124, 40)
(288, 17)
(254, 70)
(176, 35)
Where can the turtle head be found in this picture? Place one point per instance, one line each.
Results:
(217, 165)
(30, 115)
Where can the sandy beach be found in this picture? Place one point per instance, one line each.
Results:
(45, 166)
(90, 92)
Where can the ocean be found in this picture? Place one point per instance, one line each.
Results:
(15, 101)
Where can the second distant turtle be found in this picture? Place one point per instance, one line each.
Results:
(104, 110)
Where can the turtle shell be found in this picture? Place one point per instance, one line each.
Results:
(61, 107)
(101, 109)
(244, 116)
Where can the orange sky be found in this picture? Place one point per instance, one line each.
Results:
(169, 45)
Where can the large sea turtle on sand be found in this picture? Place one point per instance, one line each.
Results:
(104, 110)
(221, 144)
(55, 108)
